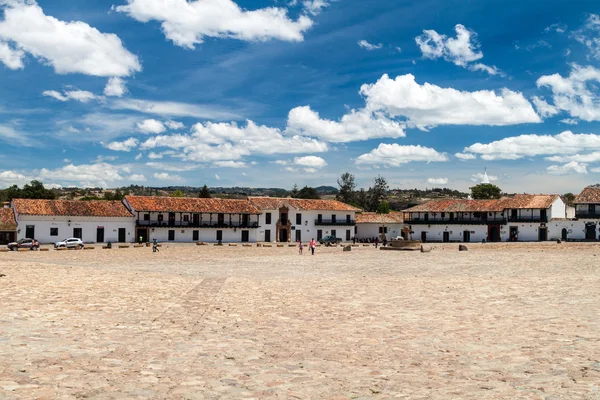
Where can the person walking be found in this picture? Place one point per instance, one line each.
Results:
(300, 247)
(312, 246)
(376, 242)
(141, 239)
(154, 245)
(353, 239)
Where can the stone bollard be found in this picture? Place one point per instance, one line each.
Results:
(424, 250)
(348, 248)
(462, 247)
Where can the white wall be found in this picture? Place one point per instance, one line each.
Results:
(558, 209)
(435, 232)
(365, 231)
(88, 226)
(208, 235)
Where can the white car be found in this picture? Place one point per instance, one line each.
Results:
(71, 243)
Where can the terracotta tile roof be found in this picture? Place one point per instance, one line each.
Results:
(530, 201)
(450, 205)
(589, 195)
(274, 203)
(75, 208)
(374, 218)
(7, 220)
(191, 205)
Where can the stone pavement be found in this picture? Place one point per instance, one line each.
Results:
(193, 322)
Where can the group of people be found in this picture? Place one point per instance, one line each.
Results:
(374, 240)
(311, 245)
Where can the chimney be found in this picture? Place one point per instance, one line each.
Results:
(6, 204)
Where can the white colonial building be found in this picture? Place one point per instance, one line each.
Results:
(291, 220)
(49, 221)
(520, 218)
(183, 219)
(370, 225)
(587, 211)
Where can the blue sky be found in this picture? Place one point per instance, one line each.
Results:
(272, 93)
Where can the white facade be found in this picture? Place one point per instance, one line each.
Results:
(305, 225)
(207, 235)
(51, 229)
(372, 230)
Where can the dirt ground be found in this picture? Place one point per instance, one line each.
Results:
(501, 321)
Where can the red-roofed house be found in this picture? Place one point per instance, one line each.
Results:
(370, 225)
(50, 221)
(288, 219)
(8, 225)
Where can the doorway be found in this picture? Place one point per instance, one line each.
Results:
(245, 236)
(493, 233)
(195, 235)
(172, 235)
(446, 237)
(423, 237)
(564, 234)
(298, 235)
(466, 236)
(7, 237)
(590, 232)
(99, 235)
(268, 236)
(543, 234)
(122, 235)
(514, 233)
(30, 231)
(283, 235)
(77, 233)
(143, 234)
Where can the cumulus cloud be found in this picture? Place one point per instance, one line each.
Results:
(356, 125)
(576, 94)
(151, 126)
(126, 145)
(230, 164)
(9, 178)
(429, 105)
(82, 96)
(175, 125)
(516, 147)
(69, 47)
(311, 163)
(461, 50)
(543, 108)
(465, 156)
(91, 175)
(137, 178)
(115, 87)
(164, 176)
(437, 181)
(368, 46)
(188, 22)
(315, 6)
(395, 155)
(570, 121)
(572, 167)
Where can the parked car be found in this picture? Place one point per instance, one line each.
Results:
(30, 244)
(330, 240)
(71, 243)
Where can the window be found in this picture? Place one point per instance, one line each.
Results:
(160, 218)
(186, 218)
(320, 218)
(348, 235)
(383, 229)
(219, 236)
(146, 217)
(77, 233)
(53, 231)
(443, 215)
(319, 234)
(333, 233)
(348, 219)
(268, 218)
(355, 230)
(333, 219)
(284, 219)
(195, 235)
(171, 235)
(298, 219)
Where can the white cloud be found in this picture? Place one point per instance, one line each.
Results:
(582, 158)
(478, 177)
(92, 175)
(9, 178)
(69, 47)
(8, 133)
(543, 108)
(437, 181)
(570, 121)
(179, 167)
(211, 142)
(230, 164)
(429, 105)
(368, 46)
(137, 178)
(217, 177)
(12, 58)
(172, 109)
(589, 35)
(174, 125)
(516, 147)
(573, 94)
(115, 87)
(572, 167)
(395, 155)
(126, 145)
(138, 157)
(465, 156)
(310, 162)
(164, 176)
(461, 51)
(280, 162)
(151, 126)
(82, 96)
(315, 6)
(187, 23)
(558, 28)
(155, 156)
(356, 125)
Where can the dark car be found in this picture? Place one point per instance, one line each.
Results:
(330, 240)
(30, 244)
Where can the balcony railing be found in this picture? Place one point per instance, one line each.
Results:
(587, 215)
(528, 219)
(455, 221)
(337, 222)
(202, 224)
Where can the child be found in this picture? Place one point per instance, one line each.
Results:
(300, 247)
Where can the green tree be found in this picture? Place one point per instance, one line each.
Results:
(295, 191)
(177, 193)
(485, 191)
(32, 190)
(383, 208)
(308, 193)
(204, 193)
(377, 193)
(569, 197)
(362, 199)
(347, 186)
